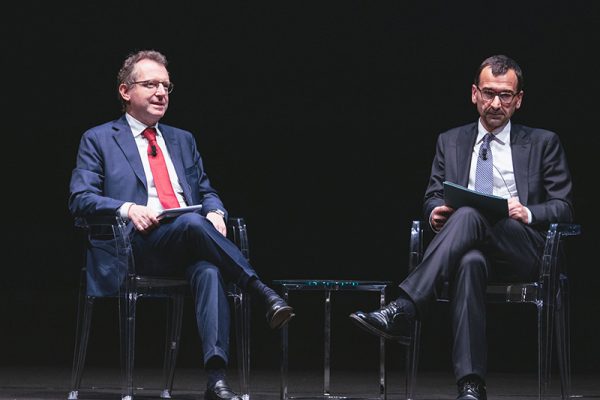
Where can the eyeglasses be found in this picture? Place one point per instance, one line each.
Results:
(153, 85)
(489, 95)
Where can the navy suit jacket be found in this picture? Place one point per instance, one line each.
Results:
(109, 172)
(541, 172)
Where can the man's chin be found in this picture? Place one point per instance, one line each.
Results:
(158, 112)
(495, 121)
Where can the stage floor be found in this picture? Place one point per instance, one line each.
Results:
(103, 383)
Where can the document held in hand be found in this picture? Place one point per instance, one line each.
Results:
(174, 212)
(457, 196)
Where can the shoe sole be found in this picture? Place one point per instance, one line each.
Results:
(281, 317)
(371, 329)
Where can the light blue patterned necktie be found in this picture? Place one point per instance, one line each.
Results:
(484, 173)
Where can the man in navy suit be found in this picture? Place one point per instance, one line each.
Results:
(114, 176)
(529, 168)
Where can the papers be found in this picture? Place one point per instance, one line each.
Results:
(174, 212)
(457, 196)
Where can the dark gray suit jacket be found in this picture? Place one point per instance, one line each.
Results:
(541, 172)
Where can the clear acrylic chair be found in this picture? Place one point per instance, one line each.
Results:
(549, 293)
(134, 287)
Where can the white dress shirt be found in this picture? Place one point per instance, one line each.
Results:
(504, 174)
(142, 144)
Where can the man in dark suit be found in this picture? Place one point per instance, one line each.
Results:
(136, 167)
(529, 168)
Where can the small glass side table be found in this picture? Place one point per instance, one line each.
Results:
(328, 286)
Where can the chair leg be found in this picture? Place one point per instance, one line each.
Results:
(241, 302)
(563, 346)
(173, 335)
(82, 334)
(412, 361)
(545, 333)
(127, 305)
(284, 360)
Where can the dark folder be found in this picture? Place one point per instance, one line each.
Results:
(456, 196)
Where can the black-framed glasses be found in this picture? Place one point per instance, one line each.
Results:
(153, 85)
(489, 95)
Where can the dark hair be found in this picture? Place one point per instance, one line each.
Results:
(125, 74)
(500, 64)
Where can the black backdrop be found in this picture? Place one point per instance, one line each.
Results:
(317, 123)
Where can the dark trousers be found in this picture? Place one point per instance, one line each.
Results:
(469, 252)
(190, 246)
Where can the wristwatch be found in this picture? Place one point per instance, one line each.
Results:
(217, 211)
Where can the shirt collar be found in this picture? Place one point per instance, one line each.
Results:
(137, 127)
(501, 135)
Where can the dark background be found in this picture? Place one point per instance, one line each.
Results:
(317, 123)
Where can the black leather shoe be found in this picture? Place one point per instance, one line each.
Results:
(471, 388)
(220, 391)
(278, 312)
(394, 321)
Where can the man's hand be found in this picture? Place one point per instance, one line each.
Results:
(517, 211)
(439, 216)
(143, 218)
(218, 221)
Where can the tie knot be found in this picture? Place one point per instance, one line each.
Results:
(488, 138)
(150, 134)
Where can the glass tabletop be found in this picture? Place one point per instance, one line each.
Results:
(331, 284)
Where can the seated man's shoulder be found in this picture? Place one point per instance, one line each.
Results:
(175, 131)
(460, 130)
(534, 134)
(104, 129)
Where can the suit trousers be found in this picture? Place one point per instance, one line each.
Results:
(468, 252)
(190, 246)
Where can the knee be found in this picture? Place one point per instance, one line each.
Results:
(467, 214)
(193, 224)
(508, 226)
(468, 219)
(191, 220)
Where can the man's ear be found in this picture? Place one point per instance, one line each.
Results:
(474, 94)
(519, 100)
(124, 91)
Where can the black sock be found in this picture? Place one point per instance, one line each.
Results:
(259, 289)
(215, 370)
(407, 304)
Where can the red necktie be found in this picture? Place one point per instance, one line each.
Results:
(166, 195)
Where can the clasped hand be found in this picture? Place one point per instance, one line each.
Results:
(440, 214)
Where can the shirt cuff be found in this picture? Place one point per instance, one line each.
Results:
(529, 216)
(123, 211)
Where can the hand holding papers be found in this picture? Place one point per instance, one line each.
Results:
(457, 196)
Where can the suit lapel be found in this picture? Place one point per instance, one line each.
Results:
(464, 148)
(174, 148)
(125, 140)
(520, 144)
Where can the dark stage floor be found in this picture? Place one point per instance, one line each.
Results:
(101, 383)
